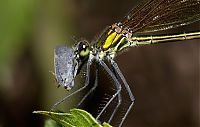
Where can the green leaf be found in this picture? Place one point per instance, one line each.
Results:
(76, 118)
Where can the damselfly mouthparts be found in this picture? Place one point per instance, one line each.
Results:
(136, 29)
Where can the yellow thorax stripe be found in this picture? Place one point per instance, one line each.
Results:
(111, 39)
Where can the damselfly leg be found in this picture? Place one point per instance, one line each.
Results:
(120, 75)
(117, 93)
(93, 88)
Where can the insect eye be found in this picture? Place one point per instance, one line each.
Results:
(83, 49)
(84, 52)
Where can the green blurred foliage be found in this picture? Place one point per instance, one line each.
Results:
(50, 123)
(15, 23)
(29, 31)
(33, 25)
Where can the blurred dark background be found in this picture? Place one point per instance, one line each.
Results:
(164, 78)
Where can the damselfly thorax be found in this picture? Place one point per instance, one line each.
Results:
(114, 39)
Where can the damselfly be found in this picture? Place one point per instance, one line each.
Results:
(136, 29)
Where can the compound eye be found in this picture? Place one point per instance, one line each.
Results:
(83, 49)
(84, 52)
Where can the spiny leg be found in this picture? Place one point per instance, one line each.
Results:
(115, 66)
(92, 89)
(119, 99)
(116, 108)
(77, 91)
(117, 84)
